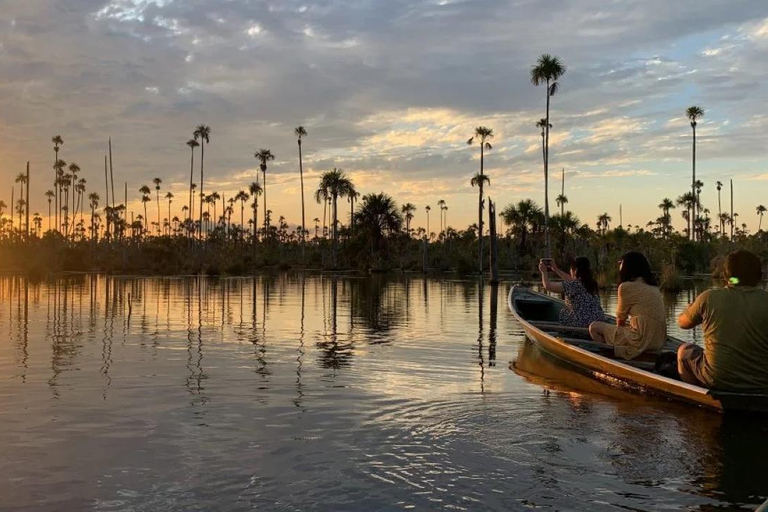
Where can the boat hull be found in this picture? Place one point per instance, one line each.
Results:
(620, 374)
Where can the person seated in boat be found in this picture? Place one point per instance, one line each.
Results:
(734, 321)
(641, 321)
(582, 304)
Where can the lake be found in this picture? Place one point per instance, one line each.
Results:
(297, 392)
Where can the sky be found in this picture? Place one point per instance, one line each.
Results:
(389, 91)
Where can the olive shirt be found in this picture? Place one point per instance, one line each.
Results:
(734, 321)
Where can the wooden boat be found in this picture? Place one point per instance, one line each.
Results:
(539, 315)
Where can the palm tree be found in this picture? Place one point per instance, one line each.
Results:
(408, 209)
(354, 195)
(603, 222)
(317, 225)
(255, 190)
(521, 217)
(50, 194)
(720, 208)
(334, 184)
(378, 218)
(693, 113)
(242, 196)
(482, 134)
(264, 156)
(561, 201)
(21, 178)
(666, 205)
(57, 143)
(542, 123)
(441, 204)
(547, 71)
(300, 132)
(427, 209)
(202, 132)
(480, 180)
(687, 200)
(760, 211)
(145, 193)
(93, 197)
(157, 182)
(169, 196)
(192, 143)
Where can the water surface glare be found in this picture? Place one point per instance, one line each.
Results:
(296, 393)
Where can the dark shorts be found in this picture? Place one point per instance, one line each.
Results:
(690, 364)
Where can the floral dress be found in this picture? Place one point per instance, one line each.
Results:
(581, 307)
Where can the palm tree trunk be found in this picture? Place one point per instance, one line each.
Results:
(720, 213)
(157, 194)
(169, 216)
(480, 211)
(202, 197)
(693, 182)
(264, 193)
(335, 234)
(301, 177)
(546, 179)
(191, 210)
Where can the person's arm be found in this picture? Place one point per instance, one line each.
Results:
(622, 310)
(546, 283)
(694, 313)
(563, 275)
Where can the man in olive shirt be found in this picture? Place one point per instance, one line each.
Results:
(734, 320)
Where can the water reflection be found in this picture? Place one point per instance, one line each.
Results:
(264, 390)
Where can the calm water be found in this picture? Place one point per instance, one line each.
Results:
(313, 393)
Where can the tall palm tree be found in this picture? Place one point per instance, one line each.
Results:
(480, 180)
(202, 132)
(542, 123)
(333, 184)
(50, 194)
(317, 225)
(547, 71)
(720, 208)
(157, 182)
(145, 198)
(192, 143)
(93, 197)
(255, 190)
(264, 156)
(57, 143)
(482, 135)
(21, 178)
(242, 196)
(760, 211)
(300, 132)
(354, 195)
(74, 169)
(169, 196)
(693, 114)
(427, 209)
(408, 209)
(59, 166)
(441, 204)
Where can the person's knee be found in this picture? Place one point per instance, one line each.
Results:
(595, 330)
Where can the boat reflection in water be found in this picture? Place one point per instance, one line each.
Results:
(723, 446)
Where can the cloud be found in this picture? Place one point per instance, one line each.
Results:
(388, 90)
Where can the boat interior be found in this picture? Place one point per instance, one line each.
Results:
(544, 314)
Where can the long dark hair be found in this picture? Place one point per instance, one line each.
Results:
(633, 265)
(584, 274)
